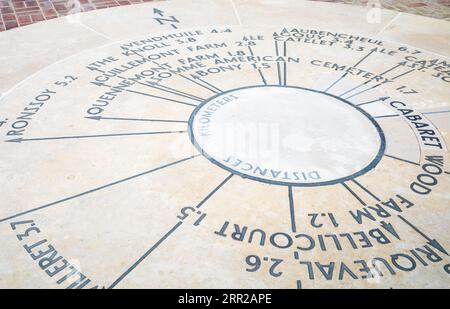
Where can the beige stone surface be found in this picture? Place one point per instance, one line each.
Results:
(99, 160)
(189, 14)
(319, 15)
(62, 39)
(418, 31)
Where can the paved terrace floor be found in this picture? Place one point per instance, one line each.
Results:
(19, 13)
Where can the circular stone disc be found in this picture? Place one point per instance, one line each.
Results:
(270, 134)
(226, 144)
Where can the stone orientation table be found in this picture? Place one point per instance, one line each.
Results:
(226, 144)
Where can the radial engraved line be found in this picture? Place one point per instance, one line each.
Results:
(158, 97)
(146, 254)
(278, 64)
(214, 191)
(292, 209)
(19, 140)
(368, 81)
(166, 235)
(135, 119)
(403, 74)
(373, 101)
(171, 91)
(367, 190)
(345, 74)
(353, 193)
(201, 85)
(214, 89)
(378, 85)
(437, 112)
(97, 188)
(209, 84)
(259, 70)
(284, 62)
(179, 92)
(168, 90)
(404, 160)
(413, 227)
(386, 116)
(152, 96)
(362, 91)
(430, 241)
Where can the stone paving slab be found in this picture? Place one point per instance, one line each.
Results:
(17, 13)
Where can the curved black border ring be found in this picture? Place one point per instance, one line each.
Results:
(369, 167)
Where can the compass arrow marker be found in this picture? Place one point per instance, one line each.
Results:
(20, 140)
(98, 188)
(390, 229)
(161, 20)
(133, 119)
(159, 12)
(432, 242)
(374, 101)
